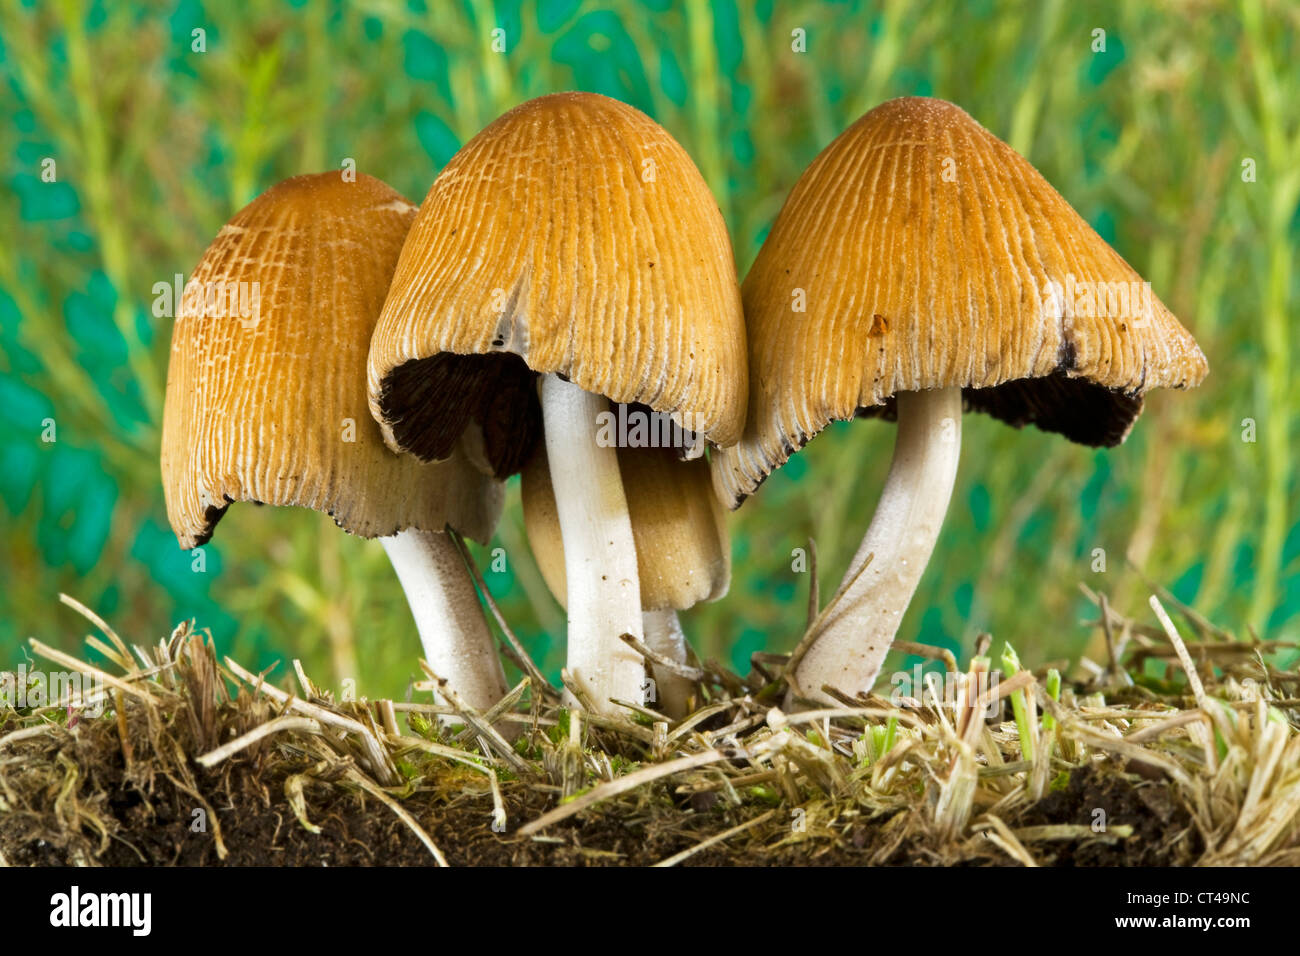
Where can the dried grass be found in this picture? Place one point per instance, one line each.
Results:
(939, 779)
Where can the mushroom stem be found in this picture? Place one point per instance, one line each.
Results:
(603, 590)
(663, 635)
(453, 630)
(856, 635)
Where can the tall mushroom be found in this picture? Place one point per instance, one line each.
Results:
(939, 269)
(266, 402)
(572, 239)
(683, 554)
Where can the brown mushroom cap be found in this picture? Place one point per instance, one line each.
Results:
(573, 235)
(683, 553)
(927, 250)
(271, 407)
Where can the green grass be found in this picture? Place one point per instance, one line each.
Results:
(157, 145)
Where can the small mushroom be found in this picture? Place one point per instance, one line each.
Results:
(268, 404)
(938, 268)
(572, 239)
(683, 554)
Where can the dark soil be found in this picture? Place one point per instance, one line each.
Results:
(1164, 834)
(259, 829)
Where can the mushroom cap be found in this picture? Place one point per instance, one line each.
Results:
(933, 255)
(572, 236)
(683, 553)
(268, 403)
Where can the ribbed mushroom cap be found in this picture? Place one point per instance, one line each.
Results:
(683, 553)
(271, 406)
(930, 254)
(573, 235)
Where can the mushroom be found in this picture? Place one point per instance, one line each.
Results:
(683, 554)
(268, 404)
(939, 269)
(573, 240)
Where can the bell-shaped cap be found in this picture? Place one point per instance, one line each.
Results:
(266, 396)
(919, 251)
(572, 236)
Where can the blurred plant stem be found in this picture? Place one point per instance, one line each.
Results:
(498, 79)
(886, 46)
(336, 610)
(102, 194)
(250, 141)
(452, 27)
(760, 69)
(546, 610)
(704, 99)
(1281, 175)
(1024, 118)
(322, 83)
(704, 63)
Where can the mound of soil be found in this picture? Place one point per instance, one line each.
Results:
(259, 828)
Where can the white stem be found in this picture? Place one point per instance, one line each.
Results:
(663, 635)
(853, 640)
(453, 630)
(603, 589)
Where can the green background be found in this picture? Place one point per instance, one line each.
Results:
(156, 145)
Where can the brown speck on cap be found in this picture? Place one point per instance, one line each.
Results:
(541, 249)
(257, 405)
(919, 217)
